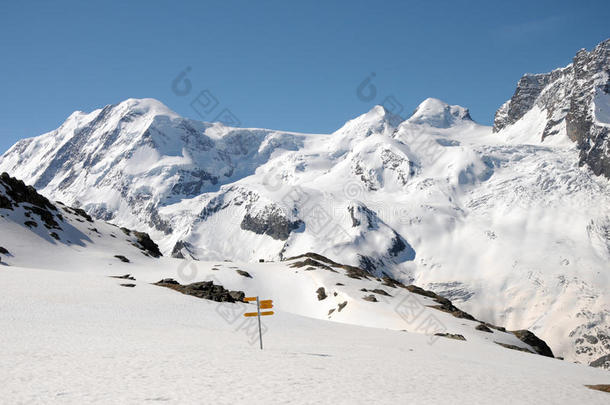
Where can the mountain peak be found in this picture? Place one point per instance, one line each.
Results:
(377, 120)
(438, 114)
(145, 106)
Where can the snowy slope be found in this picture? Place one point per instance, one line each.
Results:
(72, 334)
(75, 337)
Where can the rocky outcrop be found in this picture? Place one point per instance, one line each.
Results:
(204, 289)
(602, 362)
(454, 336)
(270, 221)
(572, 98)
(147, 245)
(534, 341)
(183, 250)
(16, 193)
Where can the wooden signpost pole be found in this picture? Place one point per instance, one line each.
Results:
(260, 334)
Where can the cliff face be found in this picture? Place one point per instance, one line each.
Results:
(576, 103)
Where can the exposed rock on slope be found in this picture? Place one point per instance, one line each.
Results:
(24, 206)
(575, 101)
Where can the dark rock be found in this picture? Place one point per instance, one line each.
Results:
(599, 387)
(339, 284)
(124, 277)
(360, 212)
(19, 193)
(342, 305)
(180, 248)
(454, 336)
(389, 282)
(167, 281)
(45, 215)
(237, 295)
(122, 258)
(30, 224)
(500, 328)
(243, 273)
(321, 293)
(602, 362)
(330, 311)
(513, 347)
(272, 222)
(591, 339)
(127, 285)
(54, 235)
(483, 328)
(312, 263)
(380, 292)
(370, 298)
(534, 341)
(5, 203)
(317, 260)
(3, 251)
(205, 290)
(446, 305)
(147, 244)
(79, 212)
(261, 260)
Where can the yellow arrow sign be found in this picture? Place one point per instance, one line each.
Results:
(247, 314)
(260, 304)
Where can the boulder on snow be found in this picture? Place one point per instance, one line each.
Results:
(122, 258)
(534, 341)
(513, 347)
(380, 292)
(124, 277)
(243, 273)
(599, 387)
(602, 362)
(483, 328)
(321, 293)
(205, 290)
(454, 336)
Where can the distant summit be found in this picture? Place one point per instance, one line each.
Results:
(572, 102)
(439, 114)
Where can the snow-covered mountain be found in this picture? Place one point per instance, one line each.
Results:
(572, 101)
(509, 224)
(81, 323)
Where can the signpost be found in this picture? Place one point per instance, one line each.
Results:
(260, 304)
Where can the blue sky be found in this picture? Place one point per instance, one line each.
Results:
(278, 64)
